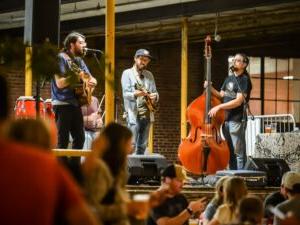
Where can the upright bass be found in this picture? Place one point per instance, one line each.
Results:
(203, 151)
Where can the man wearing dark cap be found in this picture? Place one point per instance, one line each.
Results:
(140, 98)
(175, 210)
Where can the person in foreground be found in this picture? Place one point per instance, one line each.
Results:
(250, 211)
(234, 190)
(216, 201)
(291, 183)
(34, 188)
(274, 199)
(105, 176)
(175, 209)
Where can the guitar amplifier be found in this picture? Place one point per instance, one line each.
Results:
(251, 177)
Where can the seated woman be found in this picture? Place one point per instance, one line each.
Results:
(105, 175)
(216, 201)
(234, 190)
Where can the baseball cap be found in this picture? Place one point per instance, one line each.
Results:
(290, 179)
(174, 171)
(142, 52)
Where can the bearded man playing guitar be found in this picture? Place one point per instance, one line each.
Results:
(73, 73)
(140, 99)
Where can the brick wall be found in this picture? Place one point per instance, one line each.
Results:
(166, 69)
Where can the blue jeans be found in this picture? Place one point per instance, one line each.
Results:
(89, 138)
(234, 133)
(140, 132)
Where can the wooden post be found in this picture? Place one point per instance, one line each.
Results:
(110, 61)
(150, 139)
(184, 76)
(28, 71)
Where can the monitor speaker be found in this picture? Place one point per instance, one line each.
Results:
(274, 168)
(145, 169)
(46, 22)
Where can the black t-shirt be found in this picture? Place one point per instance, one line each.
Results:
(171, 207)
(231, 88)
(273, 199)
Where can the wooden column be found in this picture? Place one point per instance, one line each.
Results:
(28, 71)
(110, 62)
(150, 139)
(184, 76)
(28, 24)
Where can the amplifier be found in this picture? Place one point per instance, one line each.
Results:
(252, 178)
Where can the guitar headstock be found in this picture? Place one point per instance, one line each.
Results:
(207, 49)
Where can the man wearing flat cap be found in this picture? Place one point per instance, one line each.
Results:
(175, 210)
(291, 184)
(140, 99)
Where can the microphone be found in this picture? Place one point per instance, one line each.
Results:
(93, 50)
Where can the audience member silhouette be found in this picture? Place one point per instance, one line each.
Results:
(234, 190)
(34, 188)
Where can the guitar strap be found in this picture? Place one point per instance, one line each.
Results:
(139, 81)
(70, 59)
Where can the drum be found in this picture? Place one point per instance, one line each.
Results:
(50, 119)
(25, 107)
(49, 113)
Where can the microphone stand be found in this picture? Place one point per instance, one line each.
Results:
(97, 60)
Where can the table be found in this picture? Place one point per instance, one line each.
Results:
(279, 145)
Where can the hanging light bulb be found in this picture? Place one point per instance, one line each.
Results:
(217, 37)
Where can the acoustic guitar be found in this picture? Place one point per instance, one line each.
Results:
(83, 92)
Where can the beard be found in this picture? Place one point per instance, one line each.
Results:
(140, 67)
(79, 52)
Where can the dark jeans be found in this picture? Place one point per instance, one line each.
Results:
(69, 120)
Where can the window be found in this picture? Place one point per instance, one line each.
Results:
(276, 86)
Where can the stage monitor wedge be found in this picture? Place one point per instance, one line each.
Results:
(274, 167)
(145, 169)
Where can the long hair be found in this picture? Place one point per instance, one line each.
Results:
(116, 156)
(234, 190)
(219, 196)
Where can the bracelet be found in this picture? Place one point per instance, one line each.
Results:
(190, 211)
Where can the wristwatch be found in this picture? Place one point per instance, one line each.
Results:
(189, 210)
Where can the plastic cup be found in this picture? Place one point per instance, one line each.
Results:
(193, 221)
(141, 202)
(268, 128)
